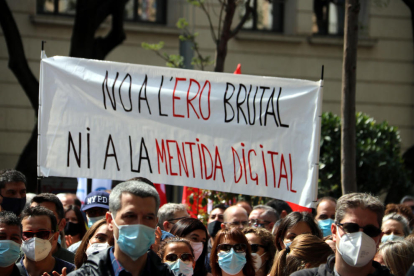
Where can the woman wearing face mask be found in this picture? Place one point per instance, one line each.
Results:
(195, 232)
(395, 227)
(293, 225)
(97, 238)
(179, 255)
(398, 256)
(231, 254)
(263, 248)
(306, 251)
(75, 227)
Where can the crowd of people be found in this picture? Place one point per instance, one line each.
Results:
(126, 232)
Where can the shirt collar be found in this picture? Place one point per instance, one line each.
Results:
(119, 270)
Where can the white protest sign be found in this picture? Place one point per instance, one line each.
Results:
(233, 133)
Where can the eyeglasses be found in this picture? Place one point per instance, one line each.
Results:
(169, 220)
(185, 257)
(258, 223)
(219, 217)
(237, 223)
(42, 234)
(369, 229)
(238, 248)
(255, 247)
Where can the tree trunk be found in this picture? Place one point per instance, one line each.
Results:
(410, 5)
(90, 14)
(348, 137)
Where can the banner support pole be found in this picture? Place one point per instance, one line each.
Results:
(322, 72)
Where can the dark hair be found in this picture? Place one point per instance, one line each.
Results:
(10, 175)
(185, 226)
(290, 221)
(79, 216)
(10, 218)
(279, 205)
(236, 235)
(305, 249)
(164, 243)
(47, 197)
(220, 206)
(325, 198)
(267, 240)
(80, 255)
(38, 211)
(77, 202)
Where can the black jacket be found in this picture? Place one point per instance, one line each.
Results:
(99, 264)
(328, 269)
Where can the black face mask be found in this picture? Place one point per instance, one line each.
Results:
(214, 227)
(15, 205)
(72, 228)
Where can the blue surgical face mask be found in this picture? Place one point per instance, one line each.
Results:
(231, 262)
(185, 268)
(391, 237)
(91, 221)
(287, 244)
(135, 239)
(9, 252)
(59, 240)
(325, 226)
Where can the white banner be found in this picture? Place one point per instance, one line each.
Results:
(233, 133)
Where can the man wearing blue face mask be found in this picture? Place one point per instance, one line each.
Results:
(10, 241)
(325, 214)
(96, 205)
(12, 191)
(132, 216)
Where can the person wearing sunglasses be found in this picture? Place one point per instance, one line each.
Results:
(178, 254)
(195, 232)
(231, 254)
(39, 231)
(357, 234)
(10, 241)
(262, 244)
(263, 216)
(96, 239)
(293, 225)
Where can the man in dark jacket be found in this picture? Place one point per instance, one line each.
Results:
(357, 234)
(132, 216)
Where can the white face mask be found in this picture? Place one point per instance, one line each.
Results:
(36, 249)
(357, 249)
(257, 261)
(96, 247)
(197, 248)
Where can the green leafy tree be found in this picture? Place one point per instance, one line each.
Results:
(380, 167)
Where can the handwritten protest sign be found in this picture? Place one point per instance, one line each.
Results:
(234, 133)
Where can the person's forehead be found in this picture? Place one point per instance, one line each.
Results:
(9, 229)
(256, 213)
(229, 240)
(253, 238)
(300, 228)
(217, 211)
(36, 222)
(391, 223)
(133, 202)
(326, 205)
(15, 186)
(237, 214)
(48, 205)
(360, 216)
(177, 247)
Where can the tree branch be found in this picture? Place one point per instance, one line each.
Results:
(246, 16)
(213, 34)
(17, 60)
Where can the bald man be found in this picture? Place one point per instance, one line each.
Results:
(235, 216)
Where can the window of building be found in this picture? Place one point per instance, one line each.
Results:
(267, 16)
(149, 11)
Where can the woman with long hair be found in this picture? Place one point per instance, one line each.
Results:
(293, 225)
(194, 231)
(231, 254)
(97, 238)
(305, 251)
(397, 255)
(75, 227)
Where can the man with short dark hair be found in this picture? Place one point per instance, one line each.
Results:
(52, 202)
(263, 216)
(357, 234)
(12, 191)
(132, 216)
(281, 207)
(325, 214)
(10, 241)
(39, 231)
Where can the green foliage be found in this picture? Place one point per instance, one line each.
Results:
(379, 163)
(153, 47)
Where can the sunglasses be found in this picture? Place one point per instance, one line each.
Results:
(238, 248)
(185, 257)
(255, 247)
(369, 229)
(42, 234)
